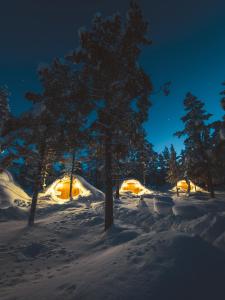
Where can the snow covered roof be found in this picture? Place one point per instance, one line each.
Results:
(59, 190)
(5, 175)
(183, 186)
(10, 191)
(135, 187)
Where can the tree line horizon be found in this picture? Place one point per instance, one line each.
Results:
(89, 119)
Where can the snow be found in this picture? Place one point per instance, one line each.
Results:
(10, 192)
(86, 190)
(134, 187)
(182, 186)
(161, 247)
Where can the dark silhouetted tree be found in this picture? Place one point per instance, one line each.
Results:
(198, 143)
(109, 54)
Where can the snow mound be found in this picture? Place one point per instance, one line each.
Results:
(58, 191)
(11, 193)
(163, 205)
(182, 187)
(134, 187)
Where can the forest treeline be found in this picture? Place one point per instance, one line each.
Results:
(88, 119)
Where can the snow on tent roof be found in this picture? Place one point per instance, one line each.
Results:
(5, 176)
(59, 190)
(135, 187)
(10, 190)
(183, 187)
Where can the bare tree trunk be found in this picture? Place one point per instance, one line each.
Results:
(71, 176)
(37, 185)
(108, 181)
(117, 188)
(210, 185)
(143, 173)
(177, 190)
(189, 186)
(33, 205)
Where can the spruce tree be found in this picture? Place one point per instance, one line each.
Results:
(109, 53)
(173, 172)
(4, 111)
(198, 143)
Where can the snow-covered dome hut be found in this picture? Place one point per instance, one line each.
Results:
(134, 186)
(59, 190)
(11, 194)
(5, 176)
(182, 186)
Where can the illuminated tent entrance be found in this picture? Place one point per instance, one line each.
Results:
(62, 189)
(133, 186)
(59, 191)
(183, 187)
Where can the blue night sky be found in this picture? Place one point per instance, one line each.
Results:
(188, 49)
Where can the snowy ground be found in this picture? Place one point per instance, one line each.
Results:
(159, 248)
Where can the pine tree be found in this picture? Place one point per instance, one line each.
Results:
(42, 128)
(4, 106)
(109, 53)
(198, 143)
(173, 172)
(4, 111)
(222, 130)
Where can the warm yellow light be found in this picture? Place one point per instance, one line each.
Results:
(63, 189)
(134, 186)
(60, 190)
(183, 187)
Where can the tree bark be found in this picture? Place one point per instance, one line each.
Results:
(108, 180)
(71, 176)
(189, 186)
(144, 174)
(177, 190)
(117, 188)
(33, 205)
(210, 185)
(37, 185)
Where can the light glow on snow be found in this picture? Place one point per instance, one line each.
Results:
(60, 190)
(134, 187)
(183, 187)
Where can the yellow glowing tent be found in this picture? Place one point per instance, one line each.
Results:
(134, 186)
(183, 187)
(59, 190)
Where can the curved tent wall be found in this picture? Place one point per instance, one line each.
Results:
(134, 187)
(59, 190)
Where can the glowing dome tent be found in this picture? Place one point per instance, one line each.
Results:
(134, 186)
(182, 186)
(59, 190)
(10, 192)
